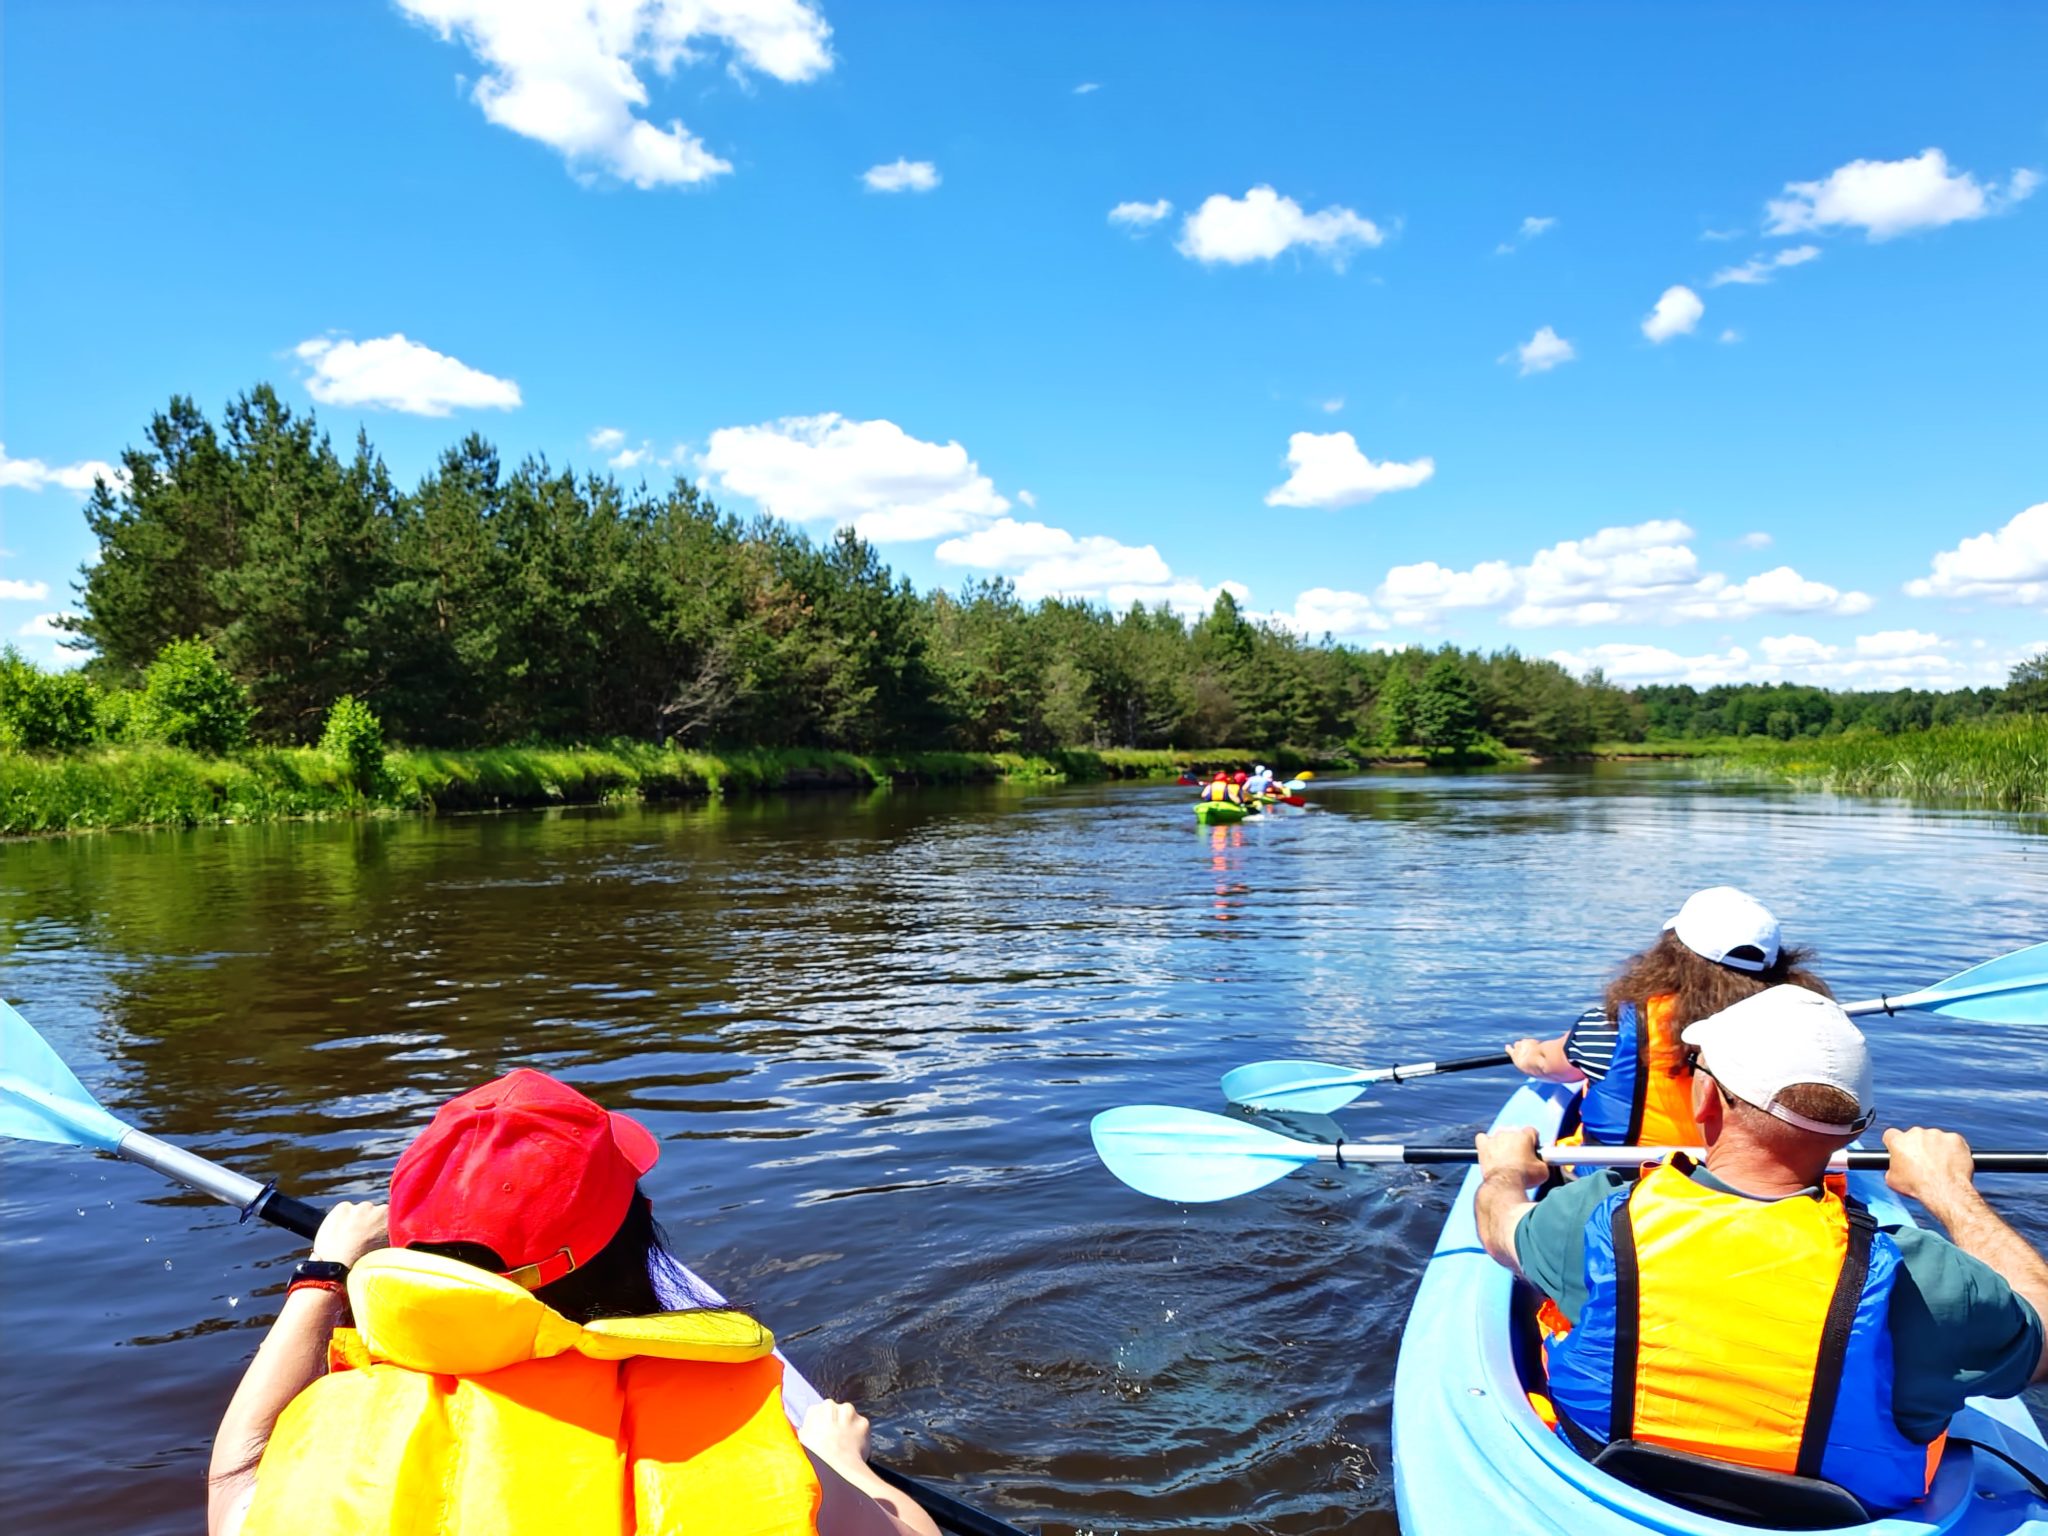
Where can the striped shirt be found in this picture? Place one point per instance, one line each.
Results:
(1589, 1045)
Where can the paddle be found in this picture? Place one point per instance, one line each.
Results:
(41, 1099)
(2012, 989)
(1191, 1156)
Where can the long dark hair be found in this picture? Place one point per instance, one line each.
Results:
(633, 1275)
(1702, 987)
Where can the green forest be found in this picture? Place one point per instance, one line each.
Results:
(250, 577)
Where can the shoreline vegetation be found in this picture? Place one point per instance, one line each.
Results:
(269, 628)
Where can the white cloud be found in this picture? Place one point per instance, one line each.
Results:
(871, 475)
(604, 439)
(35, 475)
(1322, 611)
(12, 591)
(1542, 352)
(1755, 541)
(1729, 337)
(397, 374)
(1331, 406)
(901, 176)
(1760, 269)
(1895, 658)
(2009, 565)
(1678, 311)
(1531, 228)
(1631, 664)
(1327, 470)
(1137, 217)
(566, 72)
(1722, 234)
(44, 627)
(1086, 88)
(1885, 198)
(1051, 562)
(631, 458)
(1262, 224)
(1025, 498)
(1644, 574)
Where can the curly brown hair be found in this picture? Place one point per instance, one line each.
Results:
(1702, 987)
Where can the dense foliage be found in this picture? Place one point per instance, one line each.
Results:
(496, 606)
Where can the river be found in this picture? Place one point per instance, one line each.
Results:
(870, 1033)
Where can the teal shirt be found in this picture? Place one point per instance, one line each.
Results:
(1958, 1330)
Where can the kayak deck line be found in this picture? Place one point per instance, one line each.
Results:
(1470, 1453)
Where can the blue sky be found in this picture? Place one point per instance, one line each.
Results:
(1696, 342)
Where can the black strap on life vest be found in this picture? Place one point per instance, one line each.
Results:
(1834, 1340)
(1639, 1091)
(1621, 1403)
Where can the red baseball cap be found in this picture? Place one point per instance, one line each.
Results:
(527, 1166)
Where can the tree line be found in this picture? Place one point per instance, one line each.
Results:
(491, 605)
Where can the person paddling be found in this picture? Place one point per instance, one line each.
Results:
(1723, 945)
(513, 1365)
(1221, 791)
(1762, 1318)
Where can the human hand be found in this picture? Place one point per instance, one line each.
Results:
(1527, 1055)
(1512, 1151)
(1927, 1163)
(837, 1432)
(352, 1229)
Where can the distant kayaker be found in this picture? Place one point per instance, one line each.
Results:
(1763, 1319)
(513, 1365)
(1260, 782)
(1724, 945)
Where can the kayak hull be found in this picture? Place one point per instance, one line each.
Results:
(1471, 1455)
(1216, 812)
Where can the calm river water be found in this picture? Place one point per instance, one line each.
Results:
(870, 1033)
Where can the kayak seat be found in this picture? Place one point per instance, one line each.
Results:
(1746, 1495)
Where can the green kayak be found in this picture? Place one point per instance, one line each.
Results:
(1210, 811)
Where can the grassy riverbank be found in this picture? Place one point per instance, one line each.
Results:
(2000, 762)
(154, 786)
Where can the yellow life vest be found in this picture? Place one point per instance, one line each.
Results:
(1748, 1331)
(1646, 1097)
(463, 1405)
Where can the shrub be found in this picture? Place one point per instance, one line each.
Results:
(44, 711)
(354, 738)
(116, 711)
(190, 700)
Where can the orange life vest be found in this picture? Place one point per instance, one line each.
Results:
(1755, 1332)
(461, 1405)
(1646, 1097)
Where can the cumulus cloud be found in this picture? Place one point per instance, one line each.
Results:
(869, 475)
(1138, 217)
(1328, 470)
(1025, 498)
(605, 439)
(1886, 198)
(1262, 224)
(1541, 352)
(1087, 88)
(566, 73)
(45, 626)
(1678, 311)
(1761, 269)
(1532, 228)
(1729, 337)
(2008, 565)
(1757, 540)
(1644, 573)
(1051, 562)
(12, 591)
(394, 373)
(901, 176)
(1894, 658)
(1331, 406)
(1324, 611)
(35, 475)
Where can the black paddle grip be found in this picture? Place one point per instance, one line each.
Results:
(281, 1210)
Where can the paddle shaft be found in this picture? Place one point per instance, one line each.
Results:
(1855, 1158)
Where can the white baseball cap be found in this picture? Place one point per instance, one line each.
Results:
(1728, 927)
(1780, 1037)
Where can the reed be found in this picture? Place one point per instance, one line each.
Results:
(155, 786)
(2002, 761)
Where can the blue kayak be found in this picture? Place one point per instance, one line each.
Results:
(1471, 1456)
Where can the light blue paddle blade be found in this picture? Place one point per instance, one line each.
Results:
(40, 1100)
(1191, 1157)
(2013, 989)
(1314, 1087)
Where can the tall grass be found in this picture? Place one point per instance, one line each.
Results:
(152, 786)
(2002, 762)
